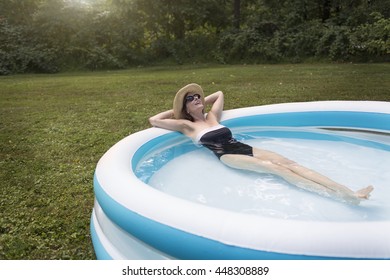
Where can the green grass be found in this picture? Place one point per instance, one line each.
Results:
(54, 129)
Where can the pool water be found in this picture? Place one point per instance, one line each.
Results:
(351, 157)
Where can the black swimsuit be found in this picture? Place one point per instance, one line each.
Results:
(220, 140)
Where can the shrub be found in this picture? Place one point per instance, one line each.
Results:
(19, 55)
(372, 40)
(334, 43)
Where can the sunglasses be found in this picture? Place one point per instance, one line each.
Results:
(191, 98)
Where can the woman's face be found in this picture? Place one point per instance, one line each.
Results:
(193, 103)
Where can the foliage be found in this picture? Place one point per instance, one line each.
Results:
(53, 35)
(19, 55)
(372, 38)
(301, 35)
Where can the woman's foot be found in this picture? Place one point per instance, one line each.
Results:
(364, 193)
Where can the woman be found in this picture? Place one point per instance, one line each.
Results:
(188, 117)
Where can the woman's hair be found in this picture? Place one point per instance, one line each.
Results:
(186, 115)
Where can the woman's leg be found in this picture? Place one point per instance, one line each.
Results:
(309, 174)
(261, 165)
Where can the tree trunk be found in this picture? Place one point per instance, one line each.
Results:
(326, 7)
(237, 14)
(178, 26)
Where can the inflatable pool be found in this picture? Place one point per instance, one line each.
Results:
(134, 220)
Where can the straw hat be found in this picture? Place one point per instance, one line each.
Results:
(178, 102)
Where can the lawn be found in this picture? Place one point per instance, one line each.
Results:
(54, 129)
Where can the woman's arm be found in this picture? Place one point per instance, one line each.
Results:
(165, 120)
(217, 101)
